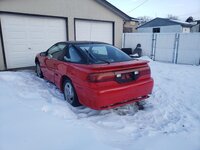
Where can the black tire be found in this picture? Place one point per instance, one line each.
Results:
(70, 93)
(38, 70)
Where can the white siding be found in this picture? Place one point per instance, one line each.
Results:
(145, 30)
(163, 29)
(168, 29)
(196, 28)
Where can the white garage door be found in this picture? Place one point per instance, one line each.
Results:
(94, 31)
(25, 36)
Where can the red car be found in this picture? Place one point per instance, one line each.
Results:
(95, 74)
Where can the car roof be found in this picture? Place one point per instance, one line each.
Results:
(83, 42)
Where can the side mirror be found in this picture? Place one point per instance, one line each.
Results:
(43, 54)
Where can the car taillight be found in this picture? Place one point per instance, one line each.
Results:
(119, 76)
(145, 72)
(101, 77)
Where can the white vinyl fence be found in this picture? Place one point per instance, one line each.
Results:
(181, 48)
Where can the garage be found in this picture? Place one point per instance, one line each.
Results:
(28, 27)
(24, 36)
(91, 30)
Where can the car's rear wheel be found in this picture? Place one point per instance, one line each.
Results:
(38, 70)
(70, 94)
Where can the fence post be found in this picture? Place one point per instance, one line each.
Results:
(153, 47)
(176, 47)
(174, 51)
(123, 40)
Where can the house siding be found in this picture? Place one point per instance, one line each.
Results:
(196, 28)
(163, 29)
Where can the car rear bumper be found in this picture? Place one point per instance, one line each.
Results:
(114, 97)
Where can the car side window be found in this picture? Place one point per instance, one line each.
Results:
(57, 51)
(52, 49)
(72, 55)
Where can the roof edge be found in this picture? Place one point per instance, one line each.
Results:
(147, 23)
(115, 10)
(166, 19)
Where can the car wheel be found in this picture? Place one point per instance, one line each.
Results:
(38, 70)
(70, 94)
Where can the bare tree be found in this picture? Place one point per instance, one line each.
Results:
(170, 16)
(144, 19)
(190, 19)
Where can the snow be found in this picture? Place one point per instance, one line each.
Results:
(182, 22)
(34, 115)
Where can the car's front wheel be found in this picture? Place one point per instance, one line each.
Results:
(38, 70)
(70, 94)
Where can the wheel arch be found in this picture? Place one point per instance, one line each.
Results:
(62, 80)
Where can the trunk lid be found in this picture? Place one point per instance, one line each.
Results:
(135, 64)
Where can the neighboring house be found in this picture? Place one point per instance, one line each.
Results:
(196, 27)
(28, 27)
(163, 25)
(131, 26)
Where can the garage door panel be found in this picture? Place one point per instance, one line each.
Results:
(54, 23)
(17, 48)
(83, 31)
(14, 41)
(36, 28)
(36, 22)
(102, 32)
(19, 61)
(36, 35)
(14, 28)
(94, 31)
(15, 35)
(25, 36)
(13, 20)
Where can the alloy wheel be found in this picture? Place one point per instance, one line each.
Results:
(69, 92)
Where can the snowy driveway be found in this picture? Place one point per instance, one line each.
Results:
(34, 115)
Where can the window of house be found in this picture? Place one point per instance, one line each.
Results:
(156, 30)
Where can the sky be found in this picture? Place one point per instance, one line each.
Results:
(159, 8)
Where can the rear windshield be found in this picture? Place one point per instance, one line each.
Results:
(103, 53)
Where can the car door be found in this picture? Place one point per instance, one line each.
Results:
(51, 60)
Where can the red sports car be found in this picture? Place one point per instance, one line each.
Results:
(95, 74)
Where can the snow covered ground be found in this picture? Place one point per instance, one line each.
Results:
(34, 115)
